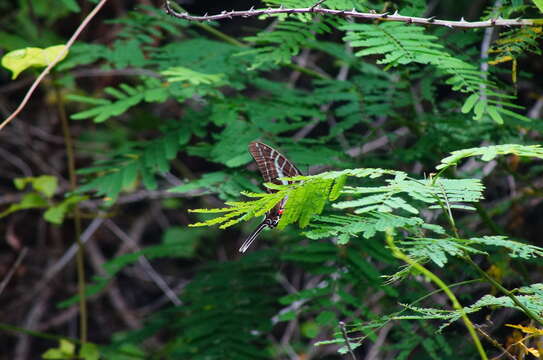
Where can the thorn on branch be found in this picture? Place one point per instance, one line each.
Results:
(384, 15)
(395, 13)
(431, 19)
(312, 8)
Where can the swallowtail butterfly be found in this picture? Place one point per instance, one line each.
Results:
(272, 166)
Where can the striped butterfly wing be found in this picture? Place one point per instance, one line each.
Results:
(272, 165)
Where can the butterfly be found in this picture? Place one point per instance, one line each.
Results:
(272, 166)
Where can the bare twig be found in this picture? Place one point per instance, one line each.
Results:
(61, 54)
(346, 338)
(493, 341)
(317, 5)
(535, 110)
(151, 272)
(9, 275)
(67, 257)
(315, 9)
(33, 317)
(115, 295)
(373, 354)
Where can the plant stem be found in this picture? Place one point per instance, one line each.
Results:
(483, 273)
(456, 304)
(508, 293)
(483, 214)
(346, 338)
(80, 258)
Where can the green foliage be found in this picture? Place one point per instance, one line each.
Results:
(515, 43)
(402, 44)
(531, 297)
(136, 160)
(308, 196)
(67, 350)
(151, 90)
(284, 42)
(226, 309)
(44, 188)
(438, 250)
(383, 116)
(346, 227)
(489, 153)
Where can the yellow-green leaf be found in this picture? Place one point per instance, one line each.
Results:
(336, 189)
(19, 60)
(65, 350)
(527, 329)
(45, 184)
(539, 4)
(89, 351)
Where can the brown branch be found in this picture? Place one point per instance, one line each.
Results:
(12, 270)
(494, 342)
(53, 63)
(315, 9)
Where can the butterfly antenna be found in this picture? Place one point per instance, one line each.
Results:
(252, 237)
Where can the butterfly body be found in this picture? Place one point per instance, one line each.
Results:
(273, 166)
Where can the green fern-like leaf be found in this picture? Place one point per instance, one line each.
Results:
(437, 250)
(126, 97)
(400, 44)
(515, 249)
(142, 160)
(387, 198)
(488, 153)
(309, 191)
(308, 195)
(532, 298)
(284, 41)
(348, 226)
(206, 327)
(515, 43)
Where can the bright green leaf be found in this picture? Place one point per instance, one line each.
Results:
(539, 4)
(89, 351)
(21, 59)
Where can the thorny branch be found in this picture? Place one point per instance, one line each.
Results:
(317, 9)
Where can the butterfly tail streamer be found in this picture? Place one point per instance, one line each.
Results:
(252, 237)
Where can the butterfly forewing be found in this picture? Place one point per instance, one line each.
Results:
(272, 164)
